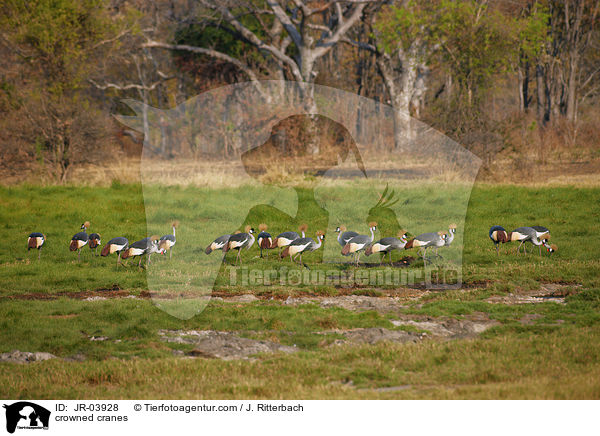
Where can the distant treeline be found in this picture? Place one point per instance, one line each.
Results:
(492, 75)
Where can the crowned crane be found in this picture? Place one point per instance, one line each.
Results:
(358, 243)
(426, 240)
(238, 241)
(167, 241)
(95, 242)
(525, 234)
(286, 238)
(264, 239)
(344, 236)
(451, 233)
(115, 245)
(143, 247)
(544, 233)
(387, 245)
(36, 240)
(79, 240)
(218, 244)
(302, 245)
(498, 235)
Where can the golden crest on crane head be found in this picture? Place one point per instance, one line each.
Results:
(452, 226)
(86, 224)
(175, 223)
(402, 233)
(320, 233)
(372, 224)
(343, 228)
(154, 238)
(262, 227)
(247, 228)
(303, 227)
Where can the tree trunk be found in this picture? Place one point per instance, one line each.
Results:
(572, 87)
(540, 94)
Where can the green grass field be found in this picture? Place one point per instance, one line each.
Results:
(41, 305)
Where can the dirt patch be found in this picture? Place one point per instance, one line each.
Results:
(407, 293)
(17, 356)
(357, 303)
(449, 328)
(98, 294)
(375, 335)
(548, 292)
(221, 345)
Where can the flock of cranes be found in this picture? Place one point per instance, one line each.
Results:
(120, 245)
(293, 245)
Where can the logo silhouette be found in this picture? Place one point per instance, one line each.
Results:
(26, 415)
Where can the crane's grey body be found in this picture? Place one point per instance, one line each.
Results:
(344, 237)
(79, 240)
(528, 234)
(541, 231)
(239, 241)
(116, 245)
(303, 245)
(427, 240)
(168, 241)
(284, 240)
(358, 243)
(143, 247)
(385, 246)
(450, 236)
(218, 244)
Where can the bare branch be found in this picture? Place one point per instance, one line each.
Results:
(255, 40)
(324, 46)
(126, 87)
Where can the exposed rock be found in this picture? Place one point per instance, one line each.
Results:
(548, 292)
(17, 356)
(246, 298)
(94, 298)
(450, 328)
(222, 345)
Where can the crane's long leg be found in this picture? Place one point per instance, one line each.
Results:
(224, 254)
(140, 262)
(78, 255)
(118, 258)
(498, 250)
(40, 253)
(170, 253)
(519, 247)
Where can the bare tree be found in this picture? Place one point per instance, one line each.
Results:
(297, 37)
